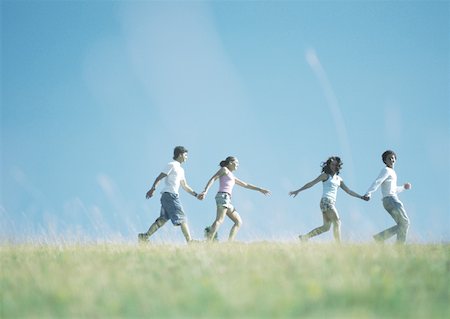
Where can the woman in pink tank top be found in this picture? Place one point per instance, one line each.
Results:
(227, 180)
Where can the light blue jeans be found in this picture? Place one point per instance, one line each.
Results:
(171, 209)
(395, 208)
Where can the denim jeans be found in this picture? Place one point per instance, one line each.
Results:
(171, 209)
(395, 208)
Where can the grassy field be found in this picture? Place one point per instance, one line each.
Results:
(256, 280)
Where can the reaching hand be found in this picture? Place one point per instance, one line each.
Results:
(265, 191)
(293, 193)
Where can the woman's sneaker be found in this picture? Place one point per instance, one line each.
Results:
(207, 231)
(303, 238)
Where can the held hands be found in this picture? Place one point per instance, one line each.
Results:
(365, 197)
(201, 196)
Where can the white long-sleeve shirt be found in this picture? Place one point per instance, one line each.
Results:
(388, 181)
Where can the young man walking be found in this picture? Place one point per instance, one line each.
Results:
(387, 179)
(171, 208)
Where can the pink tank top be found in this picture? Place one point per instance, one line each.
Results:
(227, 183)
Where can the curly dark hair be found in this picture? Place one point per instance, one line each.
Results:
(326, 165)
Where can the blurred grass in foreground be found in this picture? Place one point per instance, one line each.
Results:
(229, 280)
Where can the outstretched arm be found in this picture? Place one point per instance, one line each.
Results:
(188, 188)
(211, 181)
(380, 179)
(252, 187)
(352, 193)
(155, 183)
(322, 177)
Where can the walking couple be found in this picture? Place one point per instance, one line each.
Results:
(171, 208)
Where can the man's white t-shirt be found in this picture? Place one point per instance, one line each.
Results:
(175, 174)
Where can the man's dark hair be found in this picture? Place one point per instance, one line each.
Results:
(386, 154)
(178, 150)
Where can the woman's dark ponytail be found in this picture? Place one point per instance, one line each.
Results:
(227, 161)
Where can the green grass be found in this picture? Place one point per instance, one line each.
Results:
(258, 280)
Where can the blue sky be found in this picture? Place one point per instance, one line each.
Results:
(95, 95)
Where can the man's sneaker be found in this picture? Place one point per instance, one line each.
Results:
(303, 238)
(378, 239)
(142, 238)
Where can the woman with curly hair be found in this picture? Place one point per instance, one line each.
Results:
(331, 181)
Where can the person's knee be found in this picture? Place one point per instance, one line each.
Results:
(402, 220)
(326, 226)
(404, 223)
(238, 222)
(219, 221)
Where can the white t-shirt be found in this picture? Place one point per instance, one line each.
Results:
(388, 181)
(175, 174)
(330, 187)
